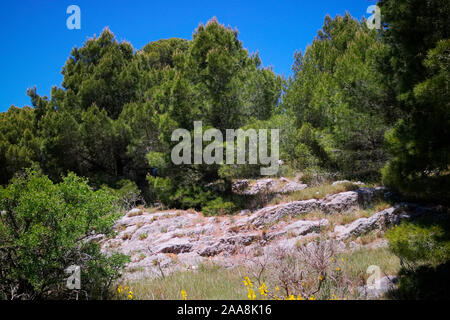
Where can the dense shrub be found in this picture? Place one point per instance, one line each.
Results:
(45, 227)
(426, 241)
(128, 194)
(417, 244)
(423, 247)
(218, 207)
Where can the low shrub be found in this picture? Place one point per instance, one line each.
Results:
(417, 244)
(218, 207)
(45, 228)
(423, 247)
(128, 194)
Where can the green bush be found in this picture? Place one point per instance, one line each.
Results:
(128, 194)
(156, 160)
(316, 176)
(218, 207)
(191, 197)
(419, 244)
(187, 197)
(423, 247)
(162, 188)
(45, 228)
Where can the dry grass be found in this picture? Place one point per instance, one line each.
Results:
(136, 213)
(126, 236)
(122, 227)
(318, 192)
(348, 217)
(212, 282)
(335, 219)
(355, 263)
(368, 238)
(208, 282)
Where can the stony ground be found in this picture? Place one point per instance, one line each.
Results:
(166, 241)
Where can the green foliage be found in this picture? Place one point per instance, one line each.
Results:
(161, 54)
(97, 74)
(417, 34)
(310, 150)
(340, 101)
(128, 194)
(113, 117)
(217, 62)
(420, 244)
(419, 145)
(191, 197)
(156, 160)
(218, 207)
(19, 145)
(162, 187)
(412, 28)
(44, 228)
(423, 247)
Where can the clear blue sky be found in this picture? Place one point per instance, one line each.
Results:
(36, 42)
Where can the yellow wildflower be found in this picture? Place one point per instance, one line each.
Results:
(263, 290)
(249, 282)
(251, 294)
(183, 294)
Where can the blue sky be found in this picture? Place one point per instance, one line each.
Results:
(36, 42)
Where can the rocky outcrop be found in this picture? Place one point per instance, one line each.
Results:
(175, 245)
(275, 213)
(291, 186)
(244, 186)
(336, 203)
(228, 244)
(171, 240)
(180, 232)
(280, 186)
(380, 220)
(297, 229)
(346, 201)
